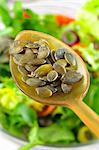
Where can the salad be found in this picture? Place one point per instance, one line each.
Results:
(29, 120)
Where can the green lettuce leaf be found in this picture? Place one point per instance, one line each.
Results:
(55, 133)
(91, 56)
(92, 97)
(88, 18)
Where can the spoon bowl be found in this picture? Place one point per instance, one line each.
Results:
(72, 100)
(79, 89)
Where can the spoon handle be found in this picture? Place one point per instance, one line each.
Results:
(87, 115)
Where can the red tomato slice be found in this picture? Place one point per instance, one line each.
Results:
(62, 20)
(46, 111)
(25, 14)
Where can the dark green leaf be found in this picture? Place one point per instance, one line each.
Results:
(4, 70)
(3, 119)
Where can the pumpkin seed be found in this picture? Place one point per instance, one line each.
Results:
(59, 89)
(17, 58)
(30, 44)
(44, 78)
(44, 51)
(70, 59)
(53, 89)
(59, 54)
(22, 70)
(16, 47)
(73, 68)
(35, 51)
(48, 61)
(53, 55)
(52, 76)
(42, 42)
(56, 83)
(71, 77)
(59, 68)
(27, 57)
(44, 92)
(30, 67)
(37, 61)
(62, 62)
(66, 88)
(24, 78)
(35, 82)
(43, 70)
(31, 75)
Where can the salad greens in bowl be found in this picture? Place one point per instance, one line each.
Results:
(31, 121)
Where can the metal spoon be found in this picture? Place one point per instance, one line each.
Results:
(72, 100)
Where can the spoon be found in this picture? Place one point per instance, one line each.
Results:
(72, 100)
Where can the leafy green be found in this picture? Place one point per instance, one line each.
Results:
(3, 119)
(5, 16)
(19, 22)
(10, 95)
(54, 133)
(88, 18)
(92, 6)
(3, 3)
(51, 27)
(90, 55)
(14, 121)
(68, 118)
(27, 114)
(92, 97)
(4, 70)
(17, 9)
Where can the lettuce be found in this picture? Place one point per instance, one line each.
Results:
(90, 55)
(88, 18)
